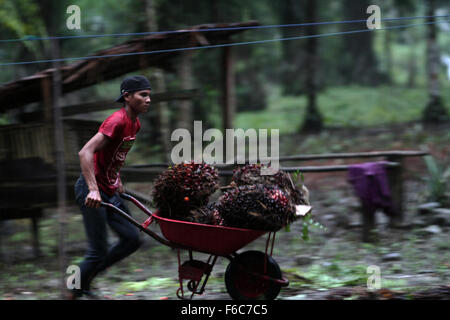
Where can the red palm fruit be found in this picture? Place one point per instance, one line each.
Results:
(262, 207)
(250, 174)
(196, 182)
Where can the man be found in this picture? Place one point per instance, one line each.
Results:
(101, 159)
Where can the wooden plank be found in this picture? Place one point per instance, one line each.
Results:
(133, 174)
(407, 153)
(325, 156)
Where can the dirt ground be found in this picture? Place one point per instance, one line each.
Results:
(410, 260)
(413, 258)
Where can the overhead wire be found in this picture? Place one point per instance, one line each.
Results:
(293, 25)
(221, 45)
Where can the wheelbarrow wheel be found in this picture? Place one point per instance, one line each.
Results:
(192, 285)
(242, 283)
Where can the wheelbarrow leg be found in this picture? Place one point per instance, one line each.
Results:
(194, 270)
(208, 273)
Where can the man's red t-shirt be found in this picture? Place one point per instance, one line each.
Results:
(121, 131)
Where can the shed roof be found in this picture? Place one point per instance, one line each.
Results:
(85, 73)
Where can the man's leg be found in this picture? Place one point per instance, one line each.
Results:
(96, 233)
(128, 234)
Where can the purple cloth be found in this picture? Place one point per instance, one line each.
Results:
(371, 185)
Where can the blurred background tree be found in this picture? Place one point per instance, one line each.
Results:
(435, 110)
(268, 75)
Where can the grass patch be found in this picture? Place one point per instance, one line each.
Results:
(151, 283)
(350, 106)
(333, 275)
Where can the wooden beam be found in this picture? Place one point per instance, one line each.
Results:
(136, 174)
(324, 156)
(28, 90)
(108, 104)
(411, 153)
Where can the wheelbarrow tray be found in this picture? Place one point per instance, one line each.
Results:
(211, 239)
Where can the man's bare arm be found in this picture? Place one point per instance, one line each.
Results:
(86, 155)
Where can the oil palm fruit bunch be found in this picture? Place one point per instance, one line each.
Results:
(250, 174)
(208, 214)
(258, 206)
(184, 187)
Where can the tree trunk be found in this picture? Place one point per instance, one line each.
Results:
(388, 54)
(152, 23)
(434, 111)
(313, 118)
(361, 66)
(162, 108)
(291, 12)
(185, 76)
(412, 66)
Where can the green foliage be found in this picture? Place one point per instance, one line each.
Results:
(308, 222)
(438, 180)
(296, 176)
(21, 19)
(333, 275)
(350, 106)
(151, 283)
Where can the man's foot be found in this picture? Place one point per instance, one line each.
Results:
(90, 295)
(76, 294)
(73, 294)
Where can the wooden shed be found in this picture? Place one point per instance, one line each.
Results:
(27, 149)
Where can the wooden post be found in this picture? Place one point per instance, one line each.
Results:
(228, 98)
(368, 217)
(60, 163)
(185, 109)
(162, 109)
(2, 251)
(46, 89)
(35, 233)
(228, 95)
(395, 177)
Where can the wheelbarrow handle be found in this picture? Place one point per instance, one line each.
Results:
(138, 204)
(141, 227)
(122, 213)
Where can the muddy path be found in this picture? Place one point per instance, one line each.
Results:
(412, 259)
(332, 265)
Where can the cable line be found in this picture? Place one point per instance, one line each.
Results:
(34, 38)
(219, 45)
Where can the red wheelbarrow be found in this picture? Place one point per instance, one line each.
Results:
(250, 275)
